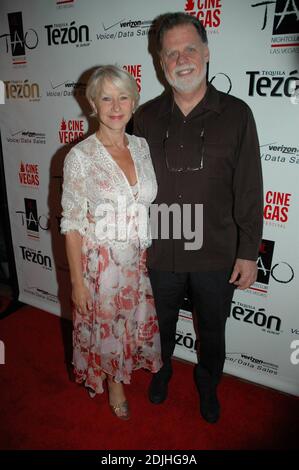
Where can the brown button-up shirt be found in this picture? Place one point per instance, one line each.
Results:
(218, 141)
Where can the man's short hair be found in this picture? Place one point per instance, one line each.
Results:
(168, 21)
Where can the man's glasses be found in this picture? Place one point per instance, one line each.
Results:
(198, 157)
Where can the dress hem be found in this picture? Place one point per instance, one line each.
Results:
(93, 392)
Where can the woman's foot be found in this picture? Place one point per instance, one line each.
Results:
(117, 399)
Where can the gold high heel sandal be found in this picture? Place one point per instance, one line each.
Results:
(122, 410)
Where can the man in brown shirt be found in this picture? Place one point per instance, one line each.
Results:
(205, 150)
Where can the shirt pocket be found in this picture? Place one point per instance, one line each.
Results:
(218, 160)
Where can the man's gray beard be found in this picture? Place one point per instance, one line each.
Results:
(184, 85)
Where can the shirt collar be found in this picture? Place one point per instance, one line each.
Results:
(210, 101)
(166, 103)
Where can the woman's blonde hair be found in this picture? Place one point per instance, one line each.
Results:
(119, 77)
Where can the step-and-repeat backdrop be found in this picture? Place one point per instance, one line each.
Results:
(47, 50)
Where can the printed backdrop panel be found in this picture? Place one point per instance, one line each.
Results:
(49, 48)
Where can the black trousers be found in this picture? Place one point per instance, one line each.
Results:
(211, 296)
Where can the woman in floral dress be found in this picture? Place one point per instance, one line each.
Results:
(109, 183)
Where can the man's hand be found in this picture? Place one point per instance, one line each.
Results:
(244, 273)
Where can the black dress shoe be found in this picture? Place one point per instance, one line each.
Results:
(158, 388)
(207, 389)
(209, 406)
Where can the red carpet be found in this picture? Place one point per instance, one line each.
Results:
(41, 408)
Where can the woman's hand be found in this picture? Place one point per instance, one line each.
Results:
(80, 294)
(81, 298)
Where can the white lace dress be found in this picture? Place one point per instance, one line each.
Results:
(121, 332)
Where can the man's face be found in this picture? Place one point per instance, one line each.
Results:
(184, 58)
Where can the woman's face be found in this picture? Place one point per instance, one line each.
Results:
(113, 106)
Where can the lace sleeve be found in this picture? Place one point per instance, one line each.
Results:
(143, 143)
(74, 200)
